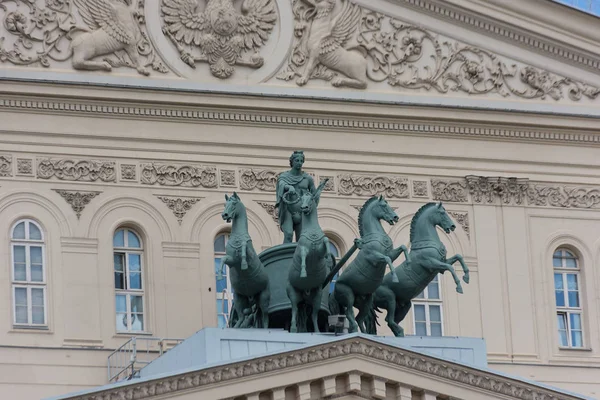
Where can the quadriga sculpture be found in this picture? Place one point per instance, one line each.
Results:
(426, 259)
(358, 282)
(311, 263)
(248, 277)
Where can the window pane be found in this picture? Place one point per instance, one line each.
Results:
(576, 339)
(562, 336)
(333, 250)
(572, 282)
(19, 231)
(573, 299)
(137, 304)
(19, 252)
(420, 295)
(435, 314)
(436, 329)
(222, 321)
(121, 322)
(557, 254)
(562, 329)
(133, 240)
(560, 299)
(21, 314)
(119, 280)
(420, 329)
(222, 306)
(571, 263)
(137, 322)
(21, 306)
(121, 303)
(35, 254)
(557, 262)
(221, 283)
(420, 312)
(37, 303)
(135, 280)
(118, 239)
(134, 262)
(558, 282)
(119, 261)
(21, 296)
(576, 321)
(119, 267)
(37, 274)
(220, 244)
(20, 273)
(433, 290)
(34, 232)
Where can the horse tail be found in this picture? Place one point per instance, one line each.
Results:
(371, 321)
(334, 306)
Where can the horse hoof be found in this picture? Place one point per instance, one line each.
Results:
(459, 289)
(293, 329)
(302, 274)
(466, 278)
(395, 278)
(244, 266)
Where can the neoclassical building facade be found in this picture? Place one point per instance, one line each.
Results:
(124, 124)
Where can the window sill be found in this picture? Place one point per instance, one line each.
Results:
(131, 334)
(574, 348)
(30, 329)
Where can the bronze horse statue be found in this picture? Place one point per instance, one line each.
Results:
(249, 280)
(358, 282)
(426, 259)
(311, 263)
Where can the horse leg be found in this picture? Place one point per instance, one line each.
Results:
(244, 261)
(295, 298)
(363, 310)
(461, 260)
(400, 314)
(443, 267)
(288, 228)
(263, 303)
(388, 297)
(396, 253)
(225, 260)
(315, 301)
(345, 298)
(380, 257)
(303, 254)
(240, 303)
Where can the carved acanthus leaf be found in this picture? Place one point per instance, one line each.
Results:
(76, 170)
(462, 218)
(487, 189)
(407, 56)
(270, 209)
(179, 175)
(77, 199)
(179, 205)
(5, 165)
(449, 190)
(261, 179)
(367, 185)
(560, 196)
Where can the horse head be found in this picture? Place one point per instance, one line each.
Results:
(441, 218)
(309, 201)
(382, 210)
(231, 207)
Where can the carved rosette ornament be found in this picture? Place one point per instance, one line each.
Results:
(217, 33)
(77, 199)
(179, 175)
(365, 185)
(261, 179)
(179, 205)
(420, 189)
(92, 34)
(449, 190)
(24, 166)
(77, 170)
(567, 197)
(5, 165)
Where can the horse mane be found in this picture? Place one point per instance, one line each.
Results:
(413, 223)
(361, 213)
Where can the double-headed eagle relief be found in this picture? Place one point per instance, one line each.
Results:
(218, 32)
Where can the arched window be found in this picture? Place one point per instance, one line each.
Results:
(567, 297)
(223, 285)
(28, 274)
(128, 262)
(427, 310)
(335, 251)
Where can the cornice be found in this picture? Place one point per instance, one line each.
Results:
(394, 357)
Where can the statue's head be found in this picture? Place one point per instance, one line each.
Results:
(442, 219)
(297, 159)
(383, 211)
(231, 206)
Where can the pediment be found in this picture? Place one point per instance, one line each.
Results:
(356, 367)
(392, 51)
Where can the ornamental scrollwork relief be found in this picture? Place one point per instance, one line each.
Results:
(449, 190)
(566, 197)
(462, 218)
(487, 189)
(92, 34)
(363, 46)
(5, 165)
(261, 179)
(218, 33)
(179, 175)
(179, 205)
(366, 185)
(76, 170)
(270, 209)
(77, 199)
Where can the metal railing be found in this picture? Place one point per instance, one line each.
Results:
(126, 362)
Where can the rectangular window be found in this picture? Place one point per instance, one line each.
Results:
(29, 305)
(29, 288)
(129, 312)
(567, 299)
(427, 310)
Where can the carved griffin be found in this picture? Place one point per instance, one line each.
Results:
(328, 34)
(221, 32)
(114, 27)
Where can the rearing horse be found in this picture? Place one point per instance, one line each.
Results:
(311, 262)
(358, 282)
(427, 258)
(247, 274)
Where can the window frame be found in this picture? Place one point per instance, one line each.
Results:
(28, 284)
(567, 310)
(427, 302)
(226, 295)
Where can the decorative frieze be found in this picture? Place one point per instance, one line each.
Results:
(563, 196)
(420, 189)
(270, 209)
(179, 175)
(450, 190)
(128, 172)
(76, 170)
(368, 185)
(487, 189)
(179, 205)
(5, 165)
(261, 179)
(24, 166)
(462, 218)
(228, 177)
(330, 185)
(77, 199)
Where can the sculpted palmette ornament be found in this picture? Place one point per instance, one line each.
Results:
(219, 34)
(180, 206)
(78, 200)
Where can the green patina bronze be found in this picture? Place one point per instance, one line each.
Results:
(247, 275)
(427, 258)
(311, 263)
(358, 282)
(294, 181)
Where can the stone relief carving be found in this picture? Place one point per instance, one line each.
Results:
(330, 185)
(270, 209)
(487, 189)
(179, 175)
(420, 189)
(24, 166)
(93, 34)
(366, 185)
(76, 170)
(218, 33)
(451, 191)
(559, 196)
(179, 205)
(462, 218)
(128, 172)
(261, 179)
(5, 165)
(227, 177)
(77, 199)
(350, 45)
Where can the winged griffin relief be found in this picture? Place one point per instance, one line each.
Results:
(218, 33)
(92, 34)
